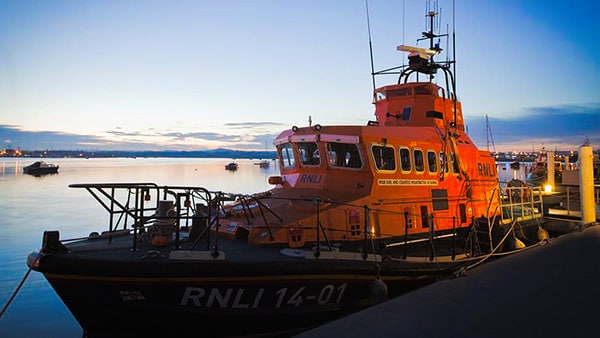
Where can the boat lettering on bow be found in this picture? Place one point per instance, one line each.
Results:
(310, 178)
(241, 298)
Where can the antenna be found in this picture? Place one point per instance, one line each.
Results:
(403, 25)
(370, 48)
(454, 55)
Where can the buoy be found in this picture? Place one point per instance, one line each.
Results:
(160, 241)
(542, 234)
(514, 243)
(378, 292)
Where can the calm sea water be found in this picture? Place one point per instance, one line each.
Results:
(29, 205)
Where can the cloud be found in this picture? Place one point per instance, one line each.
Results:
(245, 125)
(15, 137)
(562, 127)
(210, 136)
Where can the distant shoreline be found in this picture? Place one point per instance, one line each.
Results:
(214, 153)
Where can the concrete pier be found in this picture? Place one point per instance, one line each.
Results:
(551, 290)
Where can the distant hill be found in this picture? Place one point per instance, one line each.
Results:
(212, 153)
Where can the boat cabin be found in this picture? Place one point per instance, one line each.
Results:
(413, 167)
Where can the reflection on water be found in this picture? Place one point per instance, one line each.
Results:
(29, 205)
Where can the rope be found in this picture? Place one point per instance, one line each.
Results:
(15, 292)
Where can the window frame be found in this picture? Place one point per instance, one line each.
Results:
(333, 163)
(374, 160)
(417, 171)
(314, 157)
(410, 160)
(282, 159)
(436, 161)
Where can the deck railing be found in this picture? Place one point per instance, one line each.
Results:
(520, 203)
(139, 208)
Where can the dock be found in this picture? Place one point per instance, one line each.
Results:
(552, 290)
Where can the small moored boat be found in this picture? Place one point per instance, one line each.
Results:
(232, 166)
(263, 164)
(40, 168)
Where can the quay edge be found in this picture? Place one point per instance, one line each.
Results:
(548, 291)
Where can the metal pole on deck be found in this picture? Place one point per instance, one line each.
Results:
(586, 183)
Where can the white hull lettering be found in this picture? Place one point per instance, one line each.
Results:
(310, 178)
(240, 298)
(194, 295)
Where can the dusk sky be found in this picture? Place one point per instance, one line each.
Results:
(193, 75)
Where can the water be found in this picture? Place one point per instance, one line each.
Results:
(29, 205)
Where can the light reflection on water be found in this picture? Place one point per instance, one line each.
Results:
(29, 205)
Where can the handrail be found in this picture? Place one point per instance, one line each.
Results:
(111, 195)
(521, 199)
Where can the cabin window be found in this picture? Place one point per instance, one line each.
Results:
(286, 155)
(424, 217)
(419, 163)
(455, 167)
(432, 161)
(404, 159)
(384, 157)
(309, 153)
(399, 92)
(443, 162)
(462, 211)
(379, 96)
(439, 198)
(422, 90)
(345, 155)
(406, 113)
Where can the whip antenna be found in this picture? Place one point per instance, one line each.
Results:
(454, 54)
(370, 48)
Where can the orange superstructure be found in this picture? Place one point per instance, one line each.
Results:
(411, 171)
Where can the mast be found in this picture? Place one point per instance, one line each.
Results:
(488, 134)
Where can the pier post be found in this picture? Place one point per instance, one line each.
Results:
(586, 183)
(550, 169)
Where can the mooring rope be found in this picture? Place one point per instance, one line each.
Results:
(15, 292)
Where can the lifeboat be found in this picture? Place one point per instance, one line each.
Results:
(358, 214)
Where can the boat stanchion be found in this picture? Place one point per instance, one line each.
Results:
(405, 233)
(138, 222)
(215, 252)
(365, 252)
(453, 237)
(431, 248)
(262, 214)
(318, 203)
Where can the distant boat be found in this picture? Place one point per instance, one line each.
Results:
(263, 164)
(40, 168)
(231, 166)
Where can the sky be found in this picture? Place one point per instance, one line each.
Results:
(195, 75)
